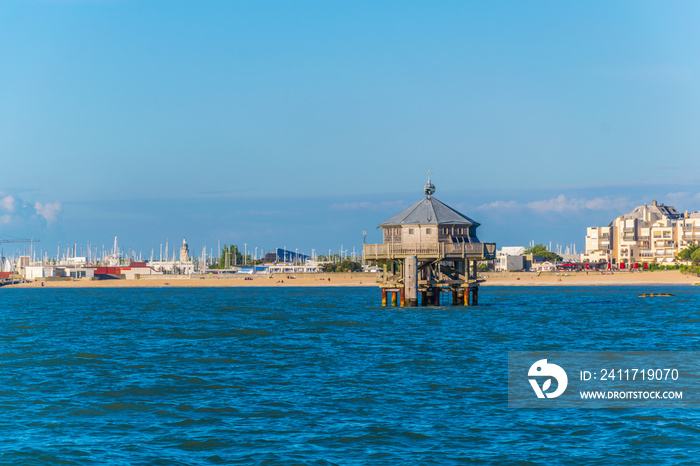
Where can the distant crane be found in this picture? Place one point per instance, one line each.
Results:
(20, 241)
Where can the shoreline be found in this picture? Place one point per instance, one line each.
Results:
(343, 279)
(655, 278)
(355, 279)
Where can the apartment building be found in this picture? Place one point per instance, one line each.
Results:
(509, 258)
(650, 233)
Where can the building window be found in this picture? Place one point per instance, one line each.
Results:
(427, 231)
(410, 231)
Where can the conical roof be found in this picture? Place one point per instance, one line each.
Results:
(429, 211)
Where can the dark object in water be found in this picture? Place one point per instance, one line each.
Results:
(654, 295)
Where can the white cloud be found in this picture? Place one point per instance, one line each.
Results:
(677, 198)
(557, 204)
(15, 210)
(562, 204)
(7, 203)
(500, 205)
(49, 211)
(369, 205)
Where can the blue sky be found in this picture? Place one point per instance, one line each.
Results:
(303, 123)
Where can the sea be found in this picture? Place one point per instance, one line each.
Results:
(320, 376)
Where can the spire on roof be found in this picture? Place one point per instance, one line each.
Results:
(429, 187)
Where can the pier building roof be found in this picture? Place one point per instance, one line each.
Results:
(429, 211)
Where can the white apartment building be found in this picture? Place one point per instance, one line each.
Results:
(510, 258)
(650, 233)
(598, 245)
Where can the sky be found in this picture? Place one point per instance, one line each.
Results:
(301, 124)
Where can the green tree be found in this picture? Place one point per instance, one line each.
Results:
(690, 254)
(541, 250)
(346, 265)
(695, 257)
(230, 256)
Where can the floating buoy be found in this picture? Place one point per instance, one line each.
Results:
(655, 295)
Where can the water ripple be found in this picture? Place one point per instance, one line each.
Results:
(320, 376)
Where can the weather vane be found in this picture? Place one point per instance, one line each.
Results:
(429, 188)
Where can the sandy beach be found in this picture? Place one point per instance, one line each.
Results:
(659, 277)
(665, 277)
(214, 281)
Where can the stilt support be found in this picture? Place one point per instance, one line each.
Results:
(393, 298)
(384, 297)
(474, 292)
(436, 296)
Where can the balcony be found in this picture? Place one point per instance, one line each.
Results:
(474, 251)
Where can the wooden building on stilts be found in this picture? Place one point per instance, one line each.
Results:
(429, 249)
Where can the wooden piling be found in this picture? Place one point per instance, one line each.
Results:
(410, 280)
(437, 296)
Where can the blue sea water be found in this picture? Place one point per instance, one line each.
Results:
(189, 376)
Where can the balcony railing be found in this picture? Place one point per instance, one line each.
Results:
(432, 250)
